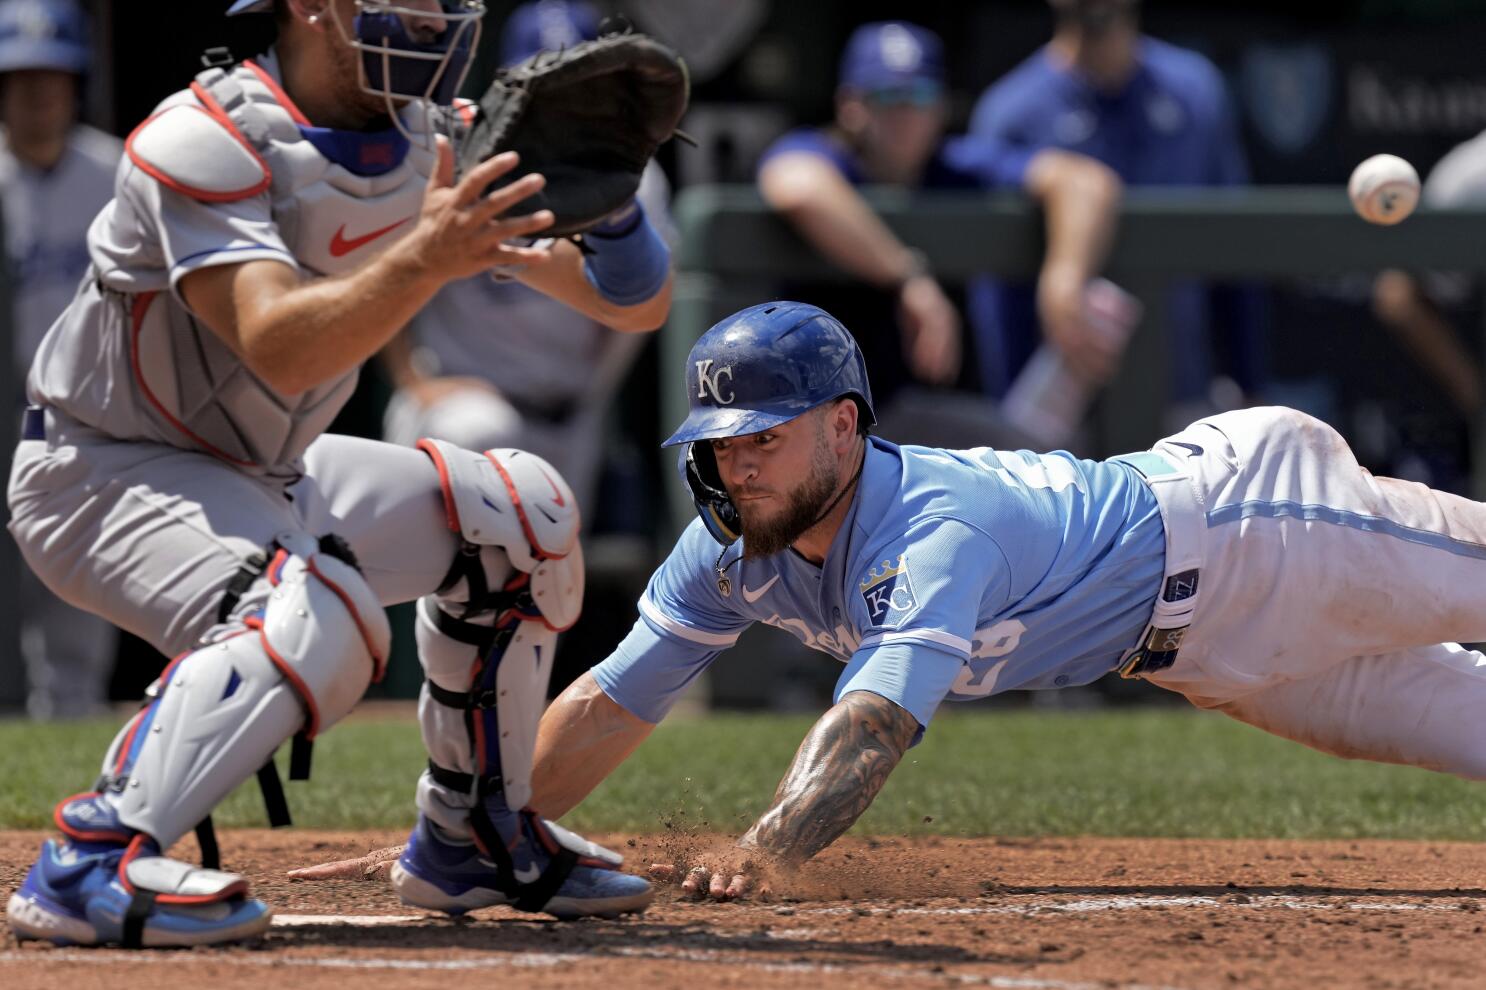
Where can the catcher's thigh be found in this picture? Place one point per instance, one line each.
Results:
(306, 642)
(1419, 707)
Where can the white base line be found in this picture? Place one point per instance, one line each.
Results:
(727, 957)
(1131, 903)
(538, 959)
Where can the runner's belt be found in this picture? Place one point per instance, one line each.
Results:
(1186, 527)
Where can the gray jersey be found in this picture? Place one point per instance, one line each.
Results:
(226, 172)
(47, 214)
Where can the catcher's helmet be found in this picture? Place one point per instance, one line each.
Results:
(394, 63)
(758, 368)
(43, 34)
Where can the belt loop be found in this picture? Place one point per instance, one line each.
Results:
(33, 423)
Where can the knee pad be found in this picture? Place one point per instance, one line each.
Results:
(486, 637)
(297, 662)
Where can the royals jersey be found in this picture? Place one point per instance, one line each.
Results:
(956, 574)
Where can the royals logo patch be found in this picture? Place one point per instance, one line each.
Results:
(887, 592)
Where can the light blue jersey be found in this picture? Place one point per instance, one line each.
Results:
(956, 574)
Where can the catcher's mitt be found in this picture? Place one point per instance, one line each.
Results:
(588, 118)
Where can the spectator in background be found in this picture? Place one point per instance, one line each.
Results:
(55, 175)
(889, 130)
(544, 378)
(1157, 115)
(1421, 311)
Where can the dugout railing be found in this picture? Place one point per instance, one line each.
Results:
(733, 251)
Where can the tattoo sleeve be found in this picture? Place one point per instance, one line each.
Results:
(837, 771)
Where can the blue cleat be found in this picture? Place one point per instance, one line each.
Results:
(438, 872)
(107, 893)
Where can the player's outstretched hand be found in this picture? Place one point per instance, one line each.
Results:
(375, 865)
(725, 880)
(462, 230)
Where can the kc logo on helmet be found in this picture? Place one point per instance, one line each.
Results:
(711, 381)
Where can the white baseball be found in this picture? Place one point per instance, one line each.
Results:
(1384, 189)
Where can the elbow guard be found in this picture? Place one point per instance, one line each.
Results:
(628, 261)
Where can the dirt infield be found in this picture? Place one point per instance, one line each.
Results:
(1017, 913)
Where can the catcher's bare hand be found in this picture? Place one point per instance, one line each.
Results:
(462, 231)
(723, 880)
(375, 865)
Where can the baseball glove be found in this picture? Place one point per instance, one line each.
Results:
(588, 118)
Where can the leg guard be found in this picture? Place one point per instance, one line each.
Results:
(311, 636)
(487, 655)
(485, 638)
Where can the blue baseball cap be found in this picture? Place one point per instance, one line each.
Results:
(893, 56)
(250, 7)
(43, 34)
(546, 25)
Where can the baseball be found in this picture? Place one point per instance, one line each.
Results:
(1384, 189)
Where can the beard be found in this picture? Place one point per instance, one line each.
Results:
(802, 508)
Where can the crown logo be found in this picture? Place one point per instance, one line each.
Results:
(889, 571)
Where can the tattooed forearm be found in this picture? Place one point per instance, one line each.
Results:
(838, 770)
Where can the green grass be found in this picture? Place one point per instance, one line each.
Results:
(1145, 772)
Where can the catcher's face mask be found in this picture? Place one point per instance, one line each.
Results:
(414, 49)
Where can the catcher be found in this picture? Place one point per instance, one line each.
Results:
(273, 225)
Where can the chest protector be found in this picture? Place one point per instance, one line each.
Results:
(337, 198)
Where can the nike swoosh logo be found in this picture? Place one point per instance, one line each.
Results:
(529, 875)
(556, 494)
(751, 595)
(339, 246)
(1196, 450)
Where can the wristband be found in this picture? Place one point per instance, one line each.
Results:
(630, 264)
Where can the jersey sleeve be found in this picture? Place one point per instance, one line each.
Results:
(813, 141)
(193, 234)
(997, 149)
(1230, 164)
(919, 602)
(992, 160)
(684, 624)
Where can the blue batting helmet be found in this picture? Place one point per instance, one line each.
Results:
(43, 34)
(758, 368)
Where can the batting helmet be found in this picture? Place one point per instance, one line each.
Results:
(758, 368)
(43, 34)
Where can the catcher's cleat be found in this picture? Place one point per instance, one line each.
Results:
(107, 893)
(443, 874)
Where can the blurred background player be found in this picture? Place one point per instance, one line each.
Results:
(889, 130)
(55, 175)
(1157, 115)
(1424, 311)
(543, 376)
